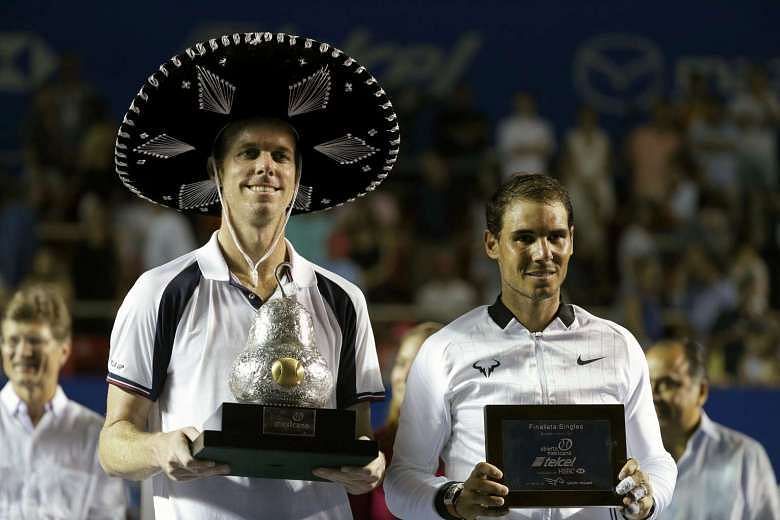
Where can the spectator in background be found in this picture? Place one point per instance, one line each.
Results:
(18, 233)
(637, 241)
(692, 101)
(93, 269)
(433, 201)
(337, 260)
(643, 306)
(309, 235)
(461, 137)
(746, 338)
(587, 155)
(749, 266)
(168, 236)
(713, 140)
(444, 295)
(131, 220)
(525, 141)
(710, 292)
(649, 149)
(96, 161)
(721, 473)
(586, 175)
(756, 111)
(682, 200)
(713, 228)
(49, 464)
(377, 244)
(48, 269)
(62, 112)
(371, 506)
(460, 132)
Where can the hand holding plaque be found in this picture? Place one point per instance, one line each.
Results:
(280, 428)
(482, 495)
(637, 492)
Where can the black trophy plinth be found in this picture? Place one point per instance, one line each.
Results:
(283, 442)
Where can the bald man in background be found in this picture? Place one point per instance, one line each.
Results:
(721, 473)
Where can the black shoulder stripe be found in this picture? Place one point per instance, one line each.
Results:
(174, 299)
(344, 310)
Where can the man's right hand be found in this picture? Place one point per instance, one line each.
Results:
(479, 493)
(174, 457)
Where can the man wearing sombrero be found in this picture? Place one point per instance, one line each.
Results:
(255, 127)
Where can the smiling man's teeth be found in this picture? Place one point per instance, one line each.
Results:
(262, 189)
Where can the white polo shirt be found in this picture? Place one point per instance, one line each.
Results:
(451, 381)
(51, 470)
(723, 475)
(174, 341)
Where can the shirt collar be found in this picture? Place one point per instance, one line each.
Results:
(14, 404)
(214, 267)
(502, 315)
(706, 426)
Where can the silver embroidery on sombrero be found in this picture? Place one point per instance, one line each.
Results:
(303, 199)
(164, 147)
(347, 149)
(309, 94)
(198, 194)
(214, 93)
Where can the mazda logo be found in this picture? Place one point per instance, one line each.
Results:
(615, 73)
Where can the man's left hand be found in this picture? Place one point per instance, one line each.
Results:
(638, 492)
(356, 480)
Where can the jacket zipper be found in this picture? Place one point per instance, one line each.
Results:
(540, 363)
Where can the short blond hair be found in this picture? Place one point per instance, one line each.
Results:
(41, 303)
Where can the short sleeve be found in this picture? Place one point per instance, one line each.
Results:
(368, 377)
(358, 378)
(131, 358)
(145, 328)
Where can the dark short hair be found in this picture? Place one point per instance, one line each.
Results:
(696, 355)
(229, 132)
(41, 303)
(533, 187)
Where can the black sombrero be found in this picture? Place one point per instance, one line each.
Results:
(347, 128)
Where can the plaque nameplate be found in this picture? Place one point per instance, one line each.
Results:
(557, 455)
(289, 421)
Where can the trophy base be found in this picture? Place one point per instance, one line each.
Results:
(253, 443)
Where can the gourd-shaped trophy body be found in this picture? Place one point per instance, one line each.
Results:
(281, 365)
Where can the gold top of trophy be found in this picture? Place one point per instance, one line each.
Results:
(287, 372)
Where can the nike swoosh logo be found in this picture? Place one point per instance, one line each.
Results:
(580, 361)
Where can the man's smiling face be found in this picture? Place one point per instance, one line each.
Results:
(532, 249)
(258, 171)
(31, 355)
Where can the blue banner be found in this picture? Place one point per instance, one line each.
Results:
(615, 55)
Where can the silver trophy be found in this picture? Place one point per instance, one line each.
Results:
(280, 428)
(281, 365)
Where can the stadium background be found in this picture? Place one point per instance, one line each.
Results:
(698, 256)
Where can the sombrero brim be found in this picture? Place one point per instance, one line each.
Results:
(348, 131)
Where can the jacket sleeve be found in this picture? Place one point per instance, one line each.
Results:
(643, 434)
(423, 431)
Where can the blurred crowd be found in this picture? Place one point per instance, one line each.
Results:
(677, 220)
